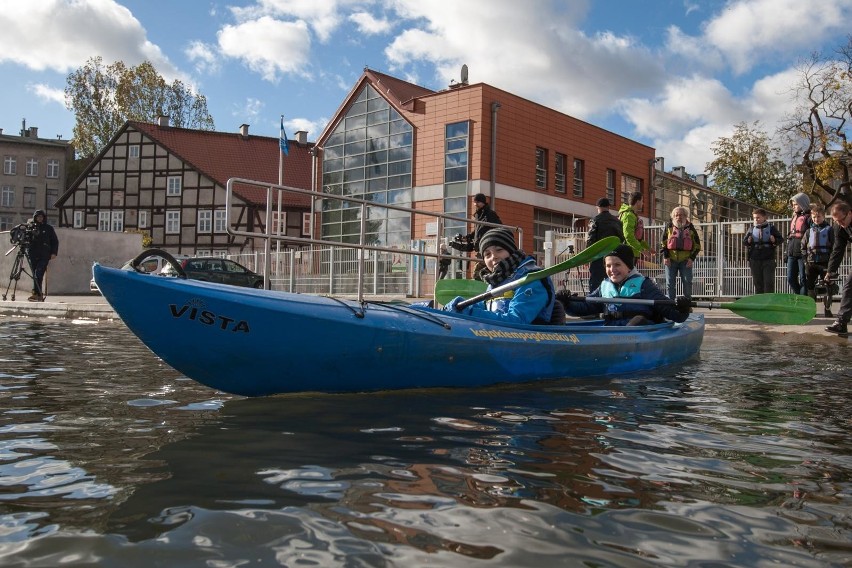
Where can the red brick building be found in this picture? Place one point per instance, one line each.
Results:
(395, 142)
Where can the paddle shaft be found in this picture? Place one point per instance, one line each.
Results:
(595, 251)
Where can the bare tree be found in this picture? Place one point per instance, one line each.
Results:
(819, 125)
(103, 97)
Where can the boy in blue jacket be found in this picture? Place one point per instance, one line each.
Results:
(624, 281)
(530, 303)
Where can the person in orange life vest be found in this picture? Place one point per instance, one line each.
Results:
(760, 242)
(679, 247)
(799, 224)
(632, 226)
(624, 281)
(816, 248)
(842, 216)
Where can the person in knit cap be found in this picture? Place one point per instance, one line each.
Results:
(530, 303)
(799, 224)
(624, 281)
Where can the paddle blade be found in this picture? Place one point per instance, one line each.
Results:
(446, 290)
(786, 309)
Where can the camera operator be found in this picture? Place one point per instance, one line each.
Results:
(43, 248)
(470, 242)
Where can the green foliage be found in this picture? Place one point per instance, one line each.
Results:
(748, 168)
(103, 97)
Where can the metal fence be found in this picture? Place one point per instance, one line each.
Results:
(720, 271)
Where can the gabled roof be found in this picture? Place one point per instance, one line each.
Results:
(223, 155)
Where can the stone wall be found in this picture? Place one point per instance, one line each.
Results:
(71, 271)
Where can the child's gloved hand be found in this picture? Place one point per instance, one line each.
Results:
(451, 307)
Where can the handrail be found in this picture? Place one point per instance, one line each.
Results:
(267, 236)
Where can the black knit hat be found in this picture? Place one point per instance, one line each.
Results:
(625, 253)
(500, 237)
(480, 197)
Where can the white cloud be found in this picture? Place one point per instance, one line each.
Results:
(69, 32)
(249, 110)
(47, 93)
(313, 127)
(323, 17)
(369, 24)
(203, 56)
(268, 46)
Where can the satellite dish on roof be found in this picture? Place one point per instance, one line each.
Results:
(464, 74)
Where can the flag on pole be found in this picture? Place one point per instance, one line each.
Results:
(282, 140)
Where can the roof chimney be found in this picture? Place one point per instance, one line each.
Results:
(660, 164)
(701, 179)
(163, 121)
(302, 136)
(679, 171)
(244, 130)
(33, 131)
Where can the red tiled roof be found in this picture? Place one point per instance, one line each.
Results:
(223, 155)
(394, 88)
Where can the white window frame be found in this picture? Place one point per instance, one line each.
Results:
(559, 172)
(31, 193)
(7, 198)
(174, 185)
(173, 222)
(143, 221)
(31, 169)
(117, 221)
(10, 165)
(6, 222)
(78, 219)
(220, 221)
(306, 223)
(103, 220)
(133, 151)
(205, 221)
(52, 169)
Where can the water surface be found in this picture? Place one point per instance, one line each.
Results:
(108, 457)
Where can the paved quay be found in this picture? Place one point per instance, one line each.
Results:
(95, 307)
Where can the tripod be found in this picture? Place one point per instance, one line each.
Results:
(18, 268)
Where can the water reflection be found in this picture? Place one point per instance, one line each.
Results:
(108, 456)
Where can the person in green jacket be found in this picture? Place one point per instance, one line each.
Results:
(679, 248)
(634, 228)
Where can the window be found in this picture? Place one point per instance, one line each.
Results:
(7, 199)
(220, 221)
(52, 169)
(29, 198)
(173, 186)
(205, 220)
(610, 186)
(172, 222)
(540, 168)
(143, 219)
(579, 173)
(133, 151)
(103, 220)
(93, 181)
(456, 136)
(110, 221)
(277, 228)
(10, 165)
(51, 195)
(560, 173)
(629, 184)
(7, 222)
(78, 219)
(32, 167)
(306, 224)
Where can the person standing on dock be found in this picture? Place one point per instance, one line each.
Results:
(602, 225)
(842, 237)
(760, 242)
(799, 224)
(43, 248)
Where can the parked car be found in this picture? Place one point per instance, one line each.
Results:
(215, 269)
(152, 265)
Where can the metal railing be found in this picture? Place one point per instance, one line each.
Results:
(324, 266)
(720, 271)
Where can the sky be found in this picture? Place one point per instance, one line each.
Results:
(673, 74)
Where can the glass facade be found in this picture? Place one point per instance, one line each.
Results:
(368, 156)
(456, 138)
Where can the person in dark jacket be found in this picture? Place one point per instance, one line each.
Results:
(799, 224)
(624, 281)
(760, 242)
(470, 242)
(602, 225)
(42, 249)
(842, 237)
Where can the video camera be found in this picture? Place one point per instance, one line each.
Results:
(23, 234)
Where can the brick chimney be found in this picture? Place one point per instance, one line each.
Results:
(163, 121)
(302, 136)
(244, 130)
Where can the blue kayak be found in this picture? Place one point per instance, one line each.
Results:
(258, 342)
